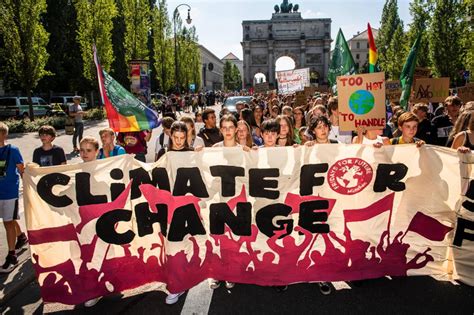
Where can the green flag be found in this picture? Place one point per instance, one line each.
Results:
(406, 77)
(342, 62)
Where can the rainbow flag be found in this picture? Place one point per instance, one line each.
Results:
(372, 51)
(124, 111)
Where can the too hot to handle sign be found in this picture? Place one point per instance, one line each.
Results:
(361, 101)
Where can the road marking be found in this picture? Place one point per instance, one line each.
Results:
(341, 285)
(198, 300)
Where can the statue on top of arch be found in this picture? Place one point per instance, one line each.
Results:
(286, 7)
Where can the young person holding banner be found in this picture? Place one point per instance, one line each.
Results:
(88, 150)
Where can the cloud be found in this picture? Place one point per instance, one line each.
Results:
(310, 14)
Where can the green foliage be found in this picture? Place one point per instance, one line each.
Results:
(468, 38)
(136, 15)
(119, 69)
(163, 46)
(95, 26)
(420, 11)
(390, 41)
(232, 79)
(26, 125)
(395, 54)
(25, 40)
(445, 35)
(65, 61)
(95, 114)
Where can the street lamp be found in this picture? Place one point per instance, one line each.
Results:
(188, 20)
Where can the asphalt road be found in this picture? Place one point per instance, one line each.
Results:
(407, 295)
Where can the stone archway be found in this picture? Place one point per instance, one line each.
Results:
(306, 41)
(259, 78)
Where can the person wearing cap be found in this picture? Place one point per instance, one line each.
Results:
(75, 111)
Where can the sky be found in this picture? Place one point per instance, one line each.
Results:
(219, 23)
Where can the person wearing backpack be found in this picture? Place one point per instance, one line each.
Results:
(109, 148)
(11, 169)
(162, 141)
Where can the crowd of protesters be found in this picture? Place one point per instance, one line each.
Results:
(268, 120)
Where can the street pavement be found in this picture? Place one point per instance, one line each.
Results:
(20, 294)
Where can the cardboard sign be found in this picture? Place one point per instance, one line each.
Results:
(292, 80)
(466, 93)
(431, 90)
(421, 72)
(301, 98)
(393, 90)
(361, 101)
(261, 87)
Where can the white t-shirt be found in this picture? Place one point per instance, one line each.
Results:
(198, 142)
(366, 140)
(341, 136)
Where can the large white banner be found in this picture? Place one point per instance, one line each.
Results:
(270, 217)
(291, 81)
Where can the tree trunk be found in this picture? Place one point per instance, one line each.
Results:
(30, 104)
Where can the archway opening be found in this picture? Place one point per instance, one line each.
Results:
(284, 63)
(259, 78)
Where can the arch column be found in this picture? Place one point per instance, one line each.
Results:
(271, 64)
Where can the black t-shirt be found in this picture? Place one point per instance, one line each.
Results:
(210, 136)
(441, 127)
(55, 156)
(424, 131)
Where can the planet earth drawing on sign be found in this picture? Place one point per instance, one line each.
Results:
(361, 102)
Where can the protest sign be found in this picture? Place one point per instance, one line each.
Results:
(466, 93)
(421, 72)
(291, 81)
(300, 98)
(431, 90)
(261, 87)
(361, 101)
(322, 213)
(393, 90)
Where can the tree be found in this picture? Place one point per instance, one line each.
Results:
(119, 69)
(390, 40)
(136, 15)
(420, 11)
(163, 46)
(468, 40)
(395, 54)
(95, 26)
(228, 80)
(65, 60)
(25, 41)
(447, 52)
(236, 78)
(189, 57)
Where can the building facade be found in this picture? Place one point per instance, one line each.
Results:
(306, 41)
(212, 70)
(359, 46)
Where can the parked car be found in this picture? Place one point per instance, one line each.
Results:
(61, 104)
(14, 106)
(230, 102)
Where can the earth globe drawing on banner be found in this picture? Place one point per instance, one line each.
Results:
(361, 102)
